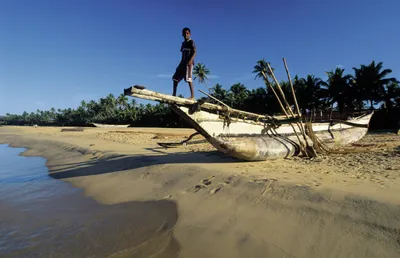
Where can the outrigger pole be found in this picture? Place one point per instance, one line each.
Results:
(140, 92)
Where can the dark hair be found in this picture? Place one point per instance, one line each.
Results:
(185, 29)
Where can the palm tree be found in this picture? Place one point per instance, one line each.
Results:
(371, 84)
(257, 101)
(83, 104)
(108, 105)
(260, 68)
(393, 92)
(200, 72)
(309, 92)
(122, 101)
(238, 93)
(339, 88)
(219, 92)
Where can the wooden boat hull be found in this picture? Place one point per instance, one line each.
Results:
(269, 147)
(110, 126)
(250, 141)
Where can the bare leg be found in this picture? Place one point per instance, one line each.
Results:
(175, 87)
(191, 90)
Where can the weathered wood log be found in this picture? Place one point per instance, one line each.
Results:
(164, 98)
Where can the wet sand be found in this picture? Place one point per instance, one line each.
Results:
(82, 228)
(340, 205)
(45, 217)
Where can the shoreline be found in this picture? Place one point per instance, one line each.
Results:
(97, 145)
(228, 205)
(35, 209)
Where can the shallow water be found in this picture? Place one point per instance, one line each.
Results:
(44, 217)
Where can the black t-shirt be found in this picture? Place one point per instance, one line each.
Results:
(187, 49)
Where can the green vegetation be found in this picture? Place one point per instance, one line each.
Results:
(369, 85)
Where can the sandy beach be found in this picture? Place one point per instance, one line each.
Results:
(339, 205)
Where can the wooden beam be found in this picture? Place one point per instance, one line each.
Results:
(158, 96)
(164, 98)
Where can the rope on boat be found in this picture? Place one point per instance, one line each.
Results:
(227, 113)
(305, 148)
(318, 145)
(304, 128)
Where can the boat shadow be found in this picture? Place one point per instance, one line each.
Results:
(119, 163)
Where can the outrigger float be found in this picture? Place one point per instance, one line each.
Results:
(254, 137)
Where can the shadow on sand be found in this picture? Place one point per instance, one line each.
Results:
(117, 163)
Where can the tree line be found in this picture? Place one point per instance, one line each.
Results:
(368, 87)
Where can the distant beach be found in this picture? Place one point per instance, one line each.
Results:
(210, 205)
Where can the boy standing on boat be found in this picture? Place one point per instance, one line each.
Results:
(185, 67)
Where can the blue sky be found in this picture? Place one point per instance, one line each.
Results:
(57, 53)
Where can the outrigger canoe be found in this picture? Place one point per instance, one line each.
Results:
(110, 125)
(253, 137)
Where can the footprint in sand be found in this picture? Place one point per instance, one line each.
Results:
(227, 181)
(207, 181)
(168, 196)
(198, 187)
(218, 188)
(204, 183)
